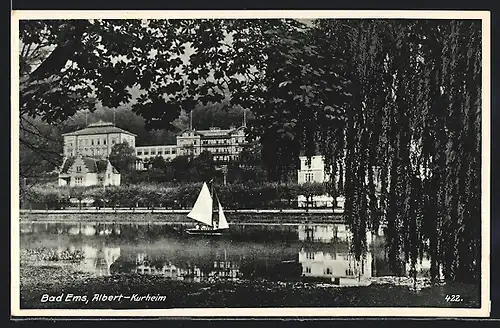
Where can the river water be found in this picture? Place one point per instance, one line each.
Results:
(254, 265)
(316, 252)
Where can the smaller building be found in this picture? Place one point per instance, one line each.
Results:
(168, 152)
(313, 172)
(88, 171)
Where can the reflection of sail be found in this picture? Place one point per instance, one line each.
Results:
(202, 209)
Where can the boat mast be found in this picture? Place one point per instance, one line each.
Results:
(212, 190)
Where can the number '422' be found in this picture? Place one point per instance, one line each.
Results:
(453, 298)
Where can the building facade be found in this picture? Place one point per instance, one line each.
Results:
(96, 140)
(224, 144)
(313, 171)
(168, 152)
(88, 171)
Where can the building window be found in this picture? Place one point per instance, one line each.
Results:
(104, 142)
(146, 152)
(78, 180)
(139, 153)
(328, 271)
(98, 141)
(113, 141)
(109, 176)
(173, 151)
(310, 256)
(101, 180)
(309, 177)
(78, 169)
(153, 152)
(308, 269)
(92, 142)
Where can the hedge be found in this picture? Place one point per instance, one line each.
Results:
(250, 195)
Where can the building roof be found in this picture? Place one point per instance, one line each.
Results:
(94, 165)
(213, 133)
(156, 146)
(98, 128)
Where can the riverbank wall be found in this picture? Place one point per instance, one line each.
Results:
(294, 216)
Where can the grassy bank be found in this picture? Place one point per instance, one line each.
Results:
(59, 279)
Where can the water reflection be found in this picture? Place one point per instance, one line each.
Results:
(302, 252)
(219, 269)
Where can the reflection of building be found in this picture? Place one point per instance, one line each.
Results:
(96, 140)
(99, 260)
(225, 269)
(339, 267)
(324, 233)
(422, 267)
(219, 269)
(87, 171)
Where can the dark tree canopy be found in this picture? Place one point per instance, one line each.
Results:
(122, 157)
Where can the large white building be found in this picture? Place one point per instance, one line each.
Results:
(224, 144)
(96, 140)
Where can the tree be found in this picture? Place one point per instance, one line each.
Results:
(160, 68)
(180, 166)
(122, 157)
(410, 110)
(202, 167)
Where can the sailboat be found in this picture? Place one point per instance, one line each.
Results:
(203, 212)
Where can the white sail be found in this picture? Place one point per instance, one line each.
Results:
(202, 209)
(222, 219)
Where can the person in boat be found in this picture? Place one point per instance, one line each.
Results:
(197, 227)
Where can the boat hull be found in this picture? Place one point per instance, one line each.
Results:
(212, 232)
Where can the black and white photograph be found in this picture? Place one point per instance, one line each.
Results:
(239, 163)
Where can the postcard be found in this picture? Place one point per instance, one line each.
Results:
(250, 164)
